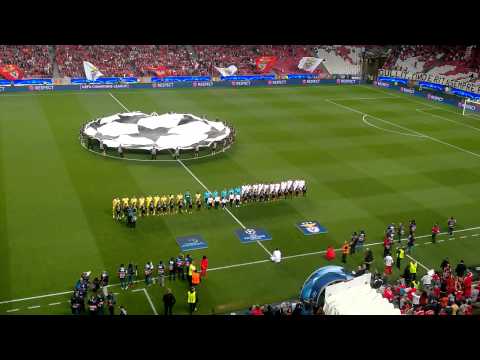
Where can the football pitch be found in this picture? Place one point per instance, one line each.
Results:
(370, 157)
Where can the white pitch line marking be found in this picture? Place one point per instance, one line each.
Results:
(118, 101)
(441, 240)
(364, 119)
(407, 129)
(55, 303)
(419, 263)
(34, 307)
(428, 242)
(235, 265)
(447, 119)
(12, 310)
(462, 237)
(238, 265)
(430, 106)
(148, 298)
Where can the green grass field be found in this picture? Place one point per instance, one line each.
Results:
(55, 197)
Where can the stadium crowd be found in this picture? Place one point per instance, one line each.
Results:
(464, 59)
(138, 60)
(33, 60)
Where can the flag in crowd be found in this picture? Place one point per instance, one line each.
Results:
(265, 63)
(10, 72)
(160, 70)
(309, 63)
(228, 71)
(91, 71)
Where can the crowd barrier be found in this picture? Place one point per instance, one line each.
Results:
(429, 94)
(181, 84)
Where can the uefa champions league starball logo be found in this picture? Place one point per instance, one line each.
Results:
(250, 232)
(310, 226)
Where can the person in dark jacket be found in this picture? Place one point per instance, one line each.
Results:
(368, 258)
(460, 269)
(168, 302)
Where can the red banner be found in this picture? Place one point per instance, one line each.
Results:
(265, 63)
(160, 71)
(10, 72)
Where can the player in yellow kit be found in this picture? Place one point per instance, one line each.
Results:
(171, 202)
(164, 201)
(141, 206)
(114, 206)
(149, 205)
(198, 200)
(133, 202)
(125, 205)
(156, 203)
(180, 202)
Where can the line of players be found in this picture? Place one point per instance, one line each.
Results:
(174, 204)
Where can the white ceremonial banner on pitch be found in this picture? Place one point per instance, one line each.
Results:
(228, 71)
(309, 63)
(91, 71)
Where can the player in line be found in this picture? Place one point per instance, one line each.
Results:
(171, 204)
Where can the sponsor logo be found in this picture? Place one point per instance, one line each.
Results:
(241, 83)
(468, 106)
(434, 98)
(276, 82)
(346, 81)
(407, 90)
(104, 86)
(382, 84)
(202, 84)
(311, 81)
(163, 85)
(40, 87)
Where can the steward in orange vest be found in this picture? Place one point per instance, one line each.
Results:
(345, 251)
(195, 278)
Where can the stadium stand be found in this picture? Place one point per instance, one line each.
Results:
(341, 59)
(123, 60)
(33, 60)
(135, 60)
(454, 62)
